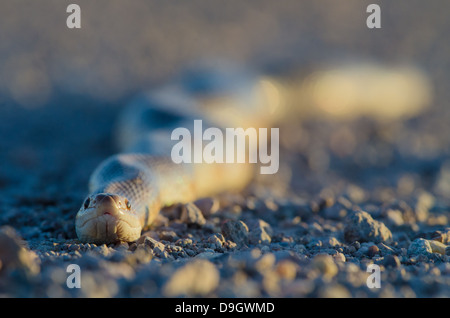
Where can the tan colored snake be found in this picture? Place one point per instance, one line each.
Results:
(128, 190)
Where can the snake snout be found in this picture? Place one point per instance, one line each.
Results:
(106, 218)
(107, 204)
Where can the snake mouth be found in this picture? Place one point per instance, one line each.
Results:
(107, 229)
(105, 222)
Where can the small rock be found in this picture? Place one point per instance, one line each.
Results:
(13, 254)
(170, 236)
(325, 264)
(419, 246)
(356, 245)
(186, 242)
(339, 257)
(437, 247)
(229, 245)
(191, 215)
(286, 269)
(360, 226)
(197, 278)
(236, 231)
(215, 241)
(150, 242)
(74, 247)
(264, 263)
(331, 242)
(159, 250)
(373, 250)
(260, 233)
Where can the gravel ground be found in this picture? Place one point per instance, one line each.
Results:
(348, 194)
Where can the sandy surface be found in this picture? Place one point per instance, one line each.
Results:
(60, 91)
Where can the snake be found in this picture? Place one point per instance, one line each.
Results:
(128, 189)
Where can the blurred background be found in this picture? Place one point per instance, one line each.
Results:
(123, 48)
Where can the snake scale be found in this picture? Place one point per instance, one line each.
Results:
(127, 190)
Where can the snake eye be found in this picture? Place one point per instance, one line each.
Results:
(128, 205)
(86, 203)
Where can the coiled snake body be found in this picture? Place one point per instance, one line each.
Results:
(127, 190)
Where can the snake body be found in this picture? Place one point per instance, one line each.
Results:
(128, 189)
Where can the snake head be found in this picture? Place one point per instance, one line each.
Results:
(107, 218)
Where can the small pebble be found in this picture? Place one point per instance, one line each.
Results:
(326, 266)
(360, 226)
(373, 250)
(197, 278)
(419, 246)
(13, 254)
(437, 247)
(339, 257)
(260, 233)
(236, 231)
(191, 215)
(286, 270)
